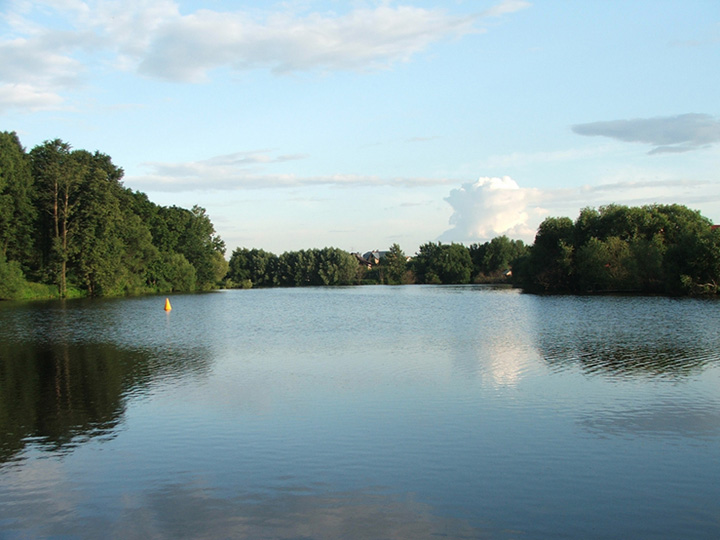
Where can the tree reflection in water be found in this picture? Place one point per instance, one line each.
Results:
(57, 395)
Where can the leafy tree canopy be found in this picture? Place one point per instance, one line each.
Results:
(67, 220)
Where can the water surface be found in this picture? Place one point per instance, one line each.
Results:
(370, 412)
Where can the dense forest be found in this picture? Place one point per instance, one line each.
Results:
(68, 227)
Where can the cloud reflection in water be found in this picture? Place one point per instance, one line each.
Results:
(195, 511)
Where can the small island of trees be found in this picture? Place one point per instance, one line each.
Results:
(68, 227)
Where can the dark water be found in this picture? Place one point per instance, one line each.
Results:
(361, 413)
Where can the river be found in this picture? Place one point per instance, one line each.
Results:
(410, 412)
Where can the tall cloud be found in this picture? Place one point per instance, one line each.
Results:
(492, 207)
(668, 134)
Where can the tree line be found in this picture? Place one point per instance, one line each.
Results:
(435, 263)
(68, 227)
(652, 249)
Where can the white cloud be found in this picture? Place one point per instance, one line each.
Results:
(668, 134)
(158, 41)
(35, 71)
(186, 179)
(187, 47)
(27, 97)
(50, 42)
(492, 207)
(249, 170)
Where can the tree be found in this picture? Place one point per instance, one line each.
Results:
(454, 264)
(100, 243)
(199, 245)
(335, 267)
(603, 265)
(424, 263)
(395, 266)
(12, 281)
(493, 258)
(646, 264)
(191, 234)
(171, 272)
(17, 213)
(256, 265)
(692, 264)
(548, 266)
(652, 248)
(65, 218)
(58, 176)
(443, 263)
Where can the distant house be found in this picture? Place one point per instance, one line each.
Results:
(362, 261)
(375, 256)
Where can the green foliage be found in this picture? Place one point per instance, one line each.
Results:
(257, 266)
(443, 263)
(12, 280)
(67, 222)
(296, 268)
(394, 267)
(327, 266)
(493, 259)
(171, 272)
(66, 219)
(603, 265)
(191, 234)
(17, 213)
(335, 267)
(652, 249)
(58, 174)
(14, 286)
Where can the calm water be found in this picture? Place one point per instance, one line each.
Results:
(361, 413)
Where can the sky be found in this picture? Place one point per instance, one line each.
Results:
(360, 124)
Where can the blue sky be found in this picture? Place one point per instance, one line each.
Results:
(357, 125)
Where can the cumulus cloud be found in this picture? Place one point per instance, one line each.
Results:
(668, 134)
(492, 207)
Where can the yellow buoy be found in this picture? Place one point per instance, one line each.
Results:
(168, 307)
